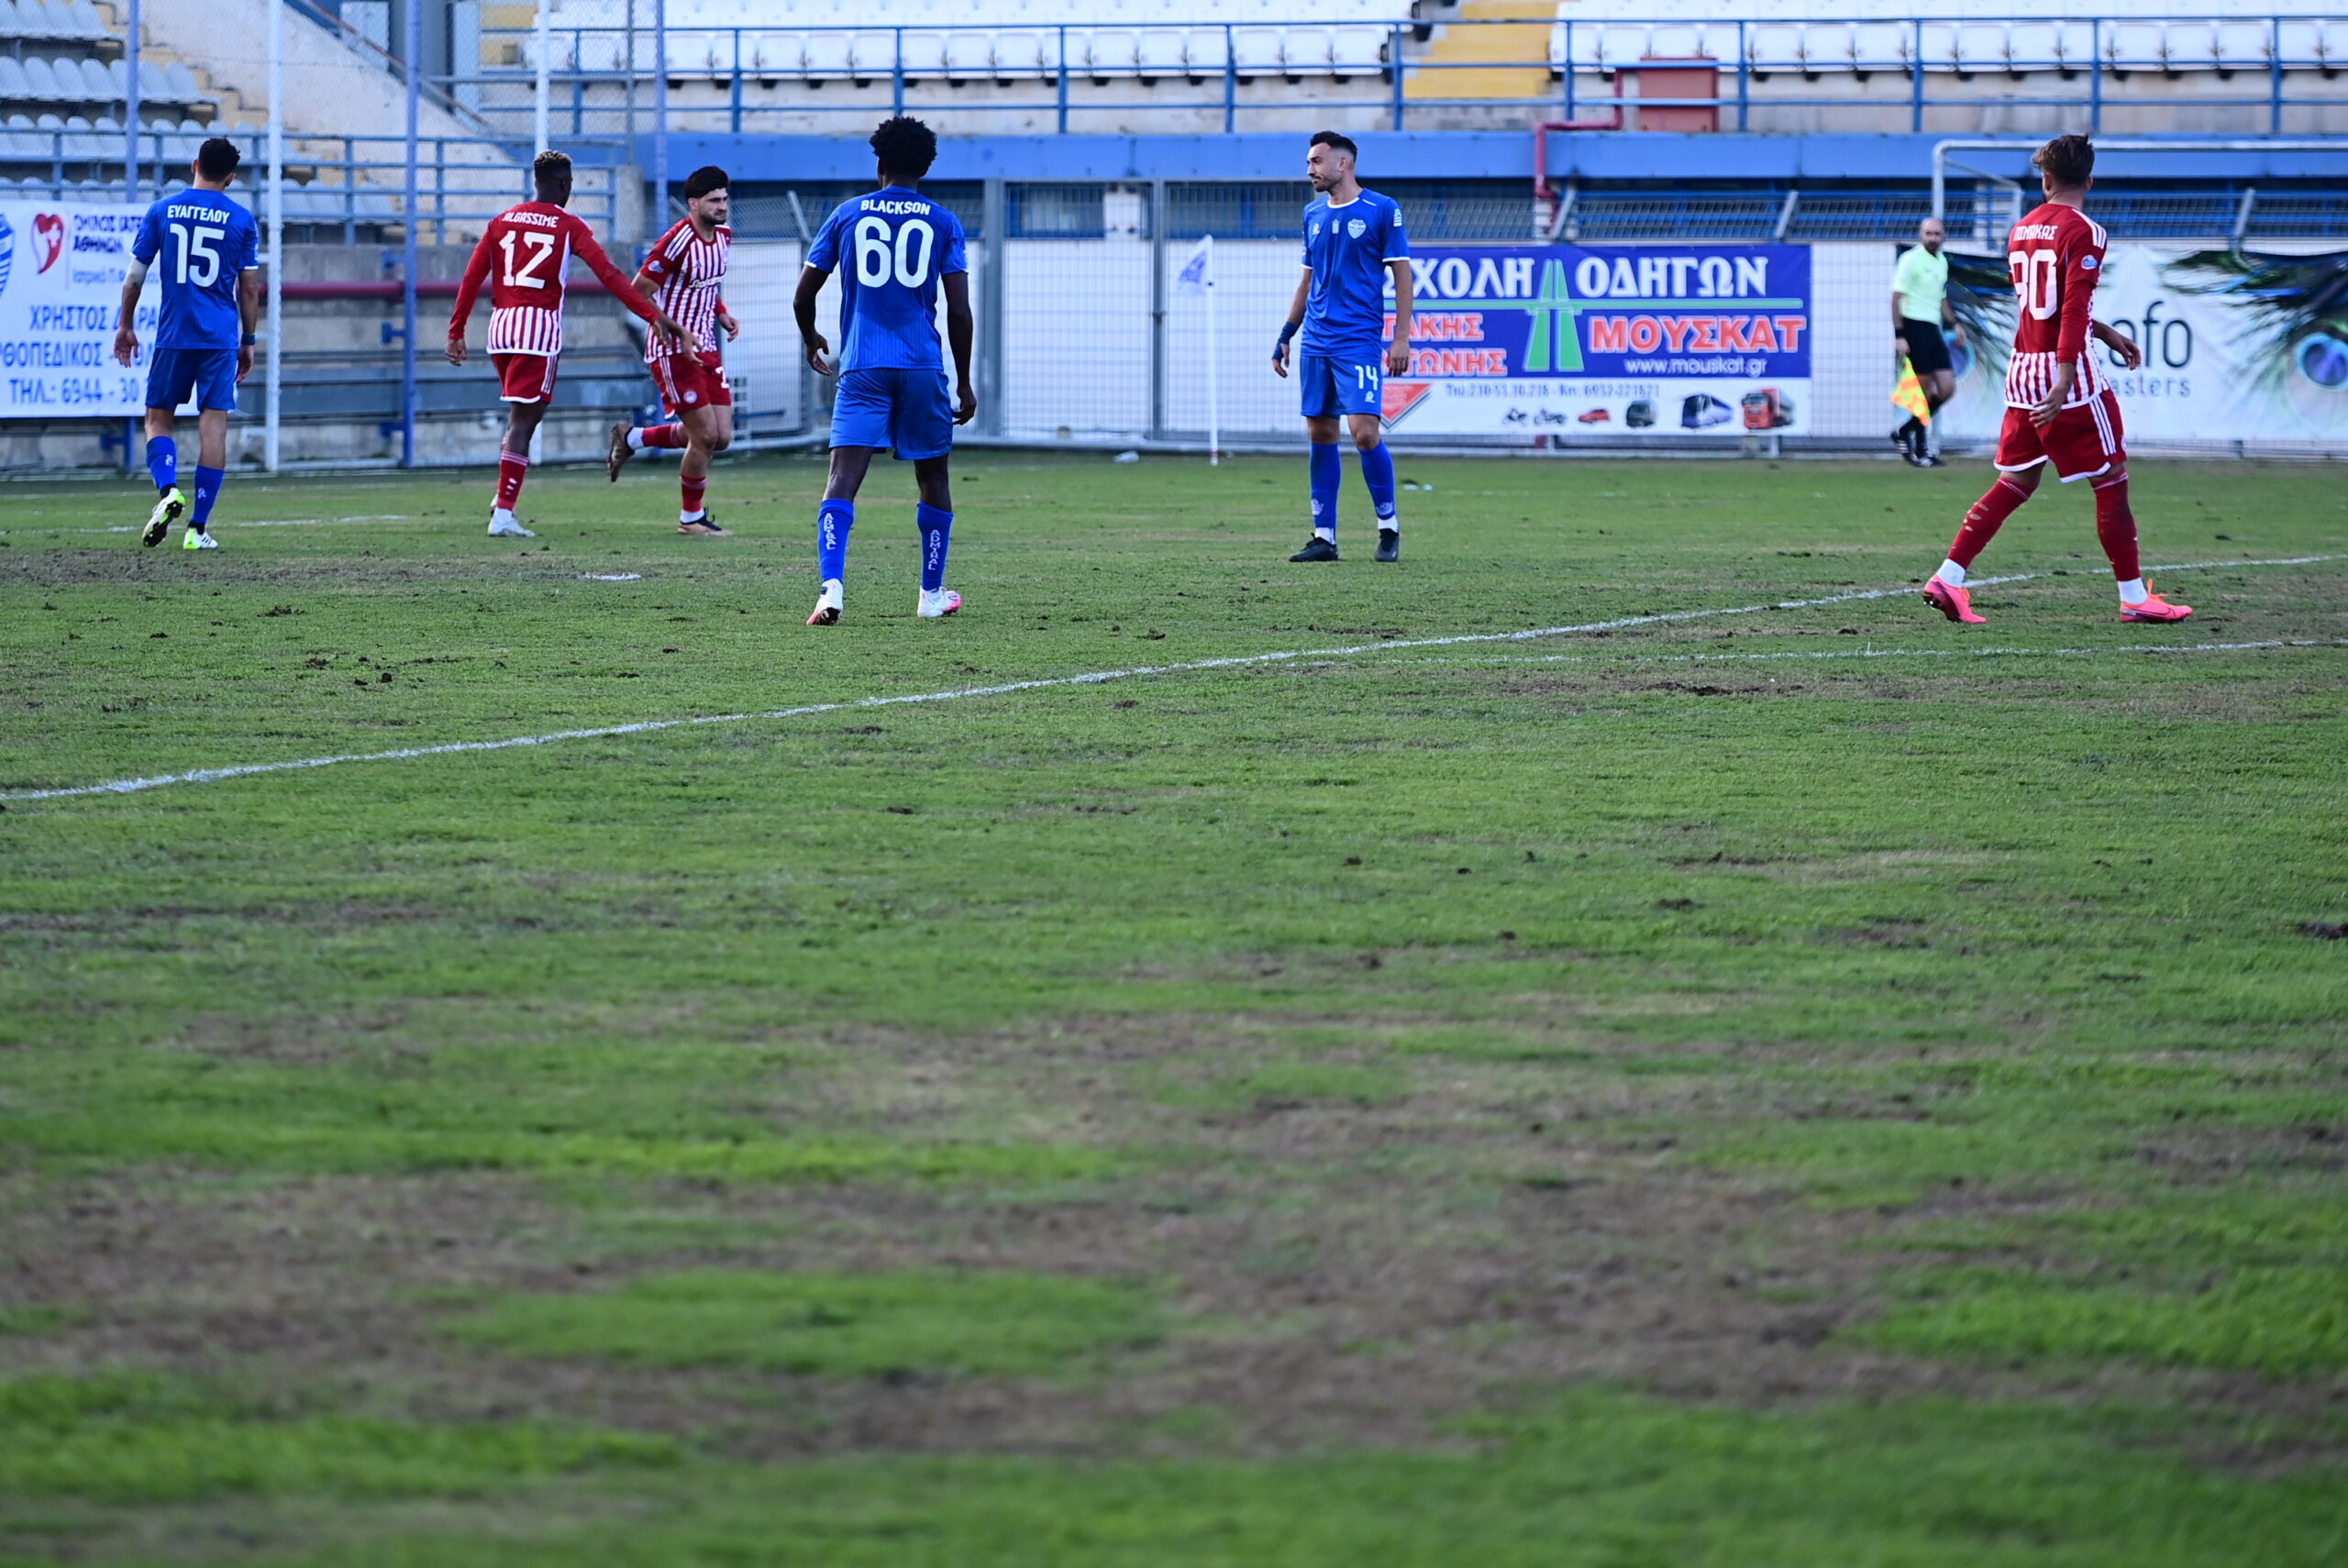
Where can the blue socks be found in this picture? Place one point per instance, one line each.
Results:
(162, 462)
(1377, 472)
(832, 520)
(207, 491)
(1327, 474)
(937, 537)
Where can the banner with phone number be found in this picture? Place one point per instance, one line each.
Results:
(61, 268)
(1660, 340)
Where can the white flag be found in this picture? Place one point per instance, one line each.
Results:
(1197, 275)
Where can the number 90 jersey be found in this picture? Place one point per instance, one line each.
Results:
(2056, 257)
(204, 240)
(889, 249)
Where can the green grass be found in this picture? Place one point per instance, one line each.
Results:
(833, 1325)
(1720, 1007)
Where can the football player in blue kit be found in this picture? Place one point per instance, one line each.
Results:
(894, 250)
(211, 286)
(1352, 239)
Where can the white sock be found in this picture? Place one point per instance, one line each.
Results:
(834, 591)
(2133, 591)
(1951, 574)
(692, 516)
(636, 440)
(1328, 534)
(500, 514)
(1390, 523)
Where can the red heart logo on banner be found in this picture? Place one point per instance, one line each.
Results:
(48, 234)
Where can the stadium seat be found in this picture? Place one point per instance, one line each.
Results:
(86, 22)
(41, 82)
(1619, 47)
(924, 52)
(1256, 51)
(969, 57)
(1937, 51)
(1677, 44)
(2301, 42)
(1304, 51)
(1357, 50)
(2244, 46)
(180, 87)
(1204, 51)
(13, 88)
(12, 24)
(871, 57)
(1882, 45)
(1024, 55)
(2189, 46)
(1106, 52)
(1158, 53)
(771, 55)
(601, 52)
(2135, 45)
(1773, 48)
(1981, 47)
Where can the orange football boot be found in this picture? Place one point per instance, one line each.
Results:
(2154, 607)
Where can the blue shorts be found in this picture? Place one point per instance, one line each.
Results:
(1332, 387)
(210, 374)
(909, 410)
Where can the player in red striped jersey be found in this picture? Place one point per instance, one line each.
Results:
(2060, 408)
(521, 256)
(685, 276)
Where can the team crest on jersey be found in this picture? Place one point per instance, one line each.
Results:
(1316, 229)
(1354, 228)
(2088, 264)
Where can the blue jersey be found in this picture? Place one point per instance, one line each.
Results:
(889, 249)
(1347, 249)
(204, 240)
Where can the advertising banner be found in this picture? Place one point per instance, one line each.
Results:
(62, 268)
(2240, 348)
(1662, 340)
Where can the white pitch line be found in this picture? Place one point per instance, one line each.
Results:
(232, 524)
(1875, 653)
(1045, 683)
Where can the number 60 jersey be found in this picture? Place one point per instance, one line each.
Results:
(521, 256)
(889, 249)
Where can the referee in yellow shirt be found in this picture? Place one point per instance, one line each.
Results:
(1920, 312)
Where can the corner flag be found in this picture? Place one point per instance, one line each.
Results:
(1197, 275)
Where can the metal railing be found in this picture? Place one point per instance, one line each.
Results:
(609, 77)
(354, 184)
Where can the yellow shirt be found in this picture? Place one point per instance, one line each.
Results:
(1922, 282)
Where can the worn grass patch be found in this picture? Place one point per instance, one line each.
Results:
(835, 1325)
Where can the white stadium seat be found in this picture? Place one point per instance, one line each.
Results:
(1255, 50)
(773, 55)
(1937, 51)
(1024, 55)
(1620, 47)
(1205, 50)
(1676, 43)
(1159, 53)
(1356, 52)
(925, 53)
(2189, 46)
(969, 57)
(2244, 46)
(871, 56)
(1882, 45)
(824, 56)
(41, 82)
(1108, 52)
(1774, 48)
(2135, 45)
(1981, 46)
(2301, 42)
(1305, 52)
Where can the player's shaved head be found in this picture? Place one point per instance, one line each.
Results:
(218, 160)
(905, 146)
(2067, 161)
(1934, 233)
(550, 172)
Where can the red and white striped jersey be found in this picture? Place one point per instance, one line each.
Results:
(2056, 255)
(691, 284)
(522, 256)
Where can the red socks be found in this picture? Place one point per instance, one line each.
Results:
(1988, 516)
(512, 469)
(2115, 525)
(693, 489)
(669, 437)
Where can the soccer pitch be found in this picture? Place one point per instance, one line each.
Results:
(1730, 1086)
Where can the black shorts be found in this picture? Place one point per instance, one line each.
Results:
(1927, 350)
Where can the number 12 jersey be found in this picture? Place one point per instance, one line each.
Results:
(521, 256)
(889, 249)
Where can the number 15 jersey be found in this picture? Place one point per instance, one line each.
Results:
(204, 240)
(521, 256)
(889, 249)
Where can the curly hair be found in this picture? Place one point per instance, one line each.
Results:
(905, 146)
(551, 171)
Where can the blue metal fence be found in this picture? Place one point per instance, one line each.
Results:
(2088, 69)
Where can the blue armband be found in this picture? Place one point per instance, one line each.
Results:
(1288, 330)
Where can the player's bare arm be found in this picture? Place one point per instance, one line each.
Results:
(1398, 353)
(803, 306)
(126, 334)
(2066, 375)
(249, 318)
(1295, 320)
(726, 324)
(2124, 348)
(958, 327)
